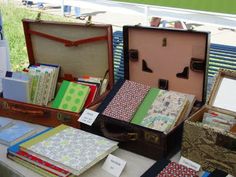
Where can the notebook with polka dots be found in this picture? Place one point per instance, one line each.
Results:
(71, 96)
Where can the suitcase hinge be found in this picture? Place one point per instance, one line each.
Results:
(63, 117)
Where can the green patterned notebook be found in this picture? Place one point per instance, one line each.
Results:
(71, 96)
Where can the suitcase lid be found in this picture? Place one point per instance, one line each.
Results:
(79, 49)
(223, 93)
(167, 58)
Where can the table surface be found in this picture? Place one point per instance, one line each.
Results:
(136, 164)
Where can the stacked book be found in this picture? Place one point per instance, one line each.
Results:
(61, 151)
(36, 84)
(74, 96)
(142, 105)
(13, 132)
(219, 121)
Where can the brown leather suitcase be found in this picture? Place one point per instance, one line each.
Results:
(165, 58)
(79, 49)
(212, 148)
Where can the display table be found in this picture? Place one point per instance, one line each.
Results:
(136, 165)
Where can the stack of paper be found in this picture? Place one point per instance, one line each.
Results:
(62, 151)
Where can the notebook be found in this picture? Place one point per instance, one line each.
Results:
(161, 109)
(5, 122)
(70, 148)
(92, 93)
(19, 156)
(71, 96)
(15, 133)
(126, 101)
(16, 86)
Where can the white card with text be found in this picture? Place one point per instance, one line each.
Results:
(190, 164)
(88, 117)
(114, 165)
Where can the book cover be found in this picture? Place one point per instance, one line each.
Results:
(126, 101)
(177, 170)
(16, 86)
(92, 93)
(5, 122)
(15, 151)
(70, 148)
(71, 96)
(160, 110)
(31, 166)
(15, 133)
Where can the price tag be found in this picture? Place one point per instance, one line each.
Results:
(114, 165)
(88, 117)
(190, 164)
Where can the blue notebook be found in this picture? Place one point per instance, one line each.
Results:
(4, 122)
(15, 133)
(16, 86)
(16, 147)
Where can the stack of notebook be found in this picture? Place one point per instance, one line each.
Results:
(36, 84)
(13, 132)
(145, 106)
(62, 151)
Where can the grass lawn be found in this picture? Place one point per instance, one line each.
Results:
(226, 6)
(13, 31)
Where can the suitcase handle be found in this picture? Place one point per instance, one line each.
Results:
(121, 137)
(26, 111)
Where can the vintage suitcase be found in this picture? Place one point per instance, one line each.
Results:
(164, 58)
(79, 49)
(210, 147)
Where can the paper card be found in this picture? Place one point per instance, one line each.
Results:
(114, 165)
(88, 117)
(190, 164)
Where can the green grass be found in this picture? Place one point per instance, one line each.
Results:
(13, 31)
(226, 6)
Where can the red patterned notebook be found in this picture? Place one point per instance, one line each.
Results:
(174, 169)
(126, 101)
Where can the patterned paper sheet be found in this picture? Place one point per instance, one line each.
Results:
(165, 110)
(174, 169)
(126, 101)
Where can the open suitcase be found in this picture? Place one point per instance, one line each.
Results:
(208, 146)
(79, 49)
(165, 58)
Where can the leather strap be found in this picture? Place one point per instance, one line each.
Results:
(69, 43)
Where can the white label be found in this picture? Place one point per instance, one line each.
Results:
(114, 165)
(88, 117)
(190, 164)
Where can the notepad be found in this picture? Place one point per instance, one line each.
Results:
(17, 86)
(71, 96)
(15, 133)
(70, 148)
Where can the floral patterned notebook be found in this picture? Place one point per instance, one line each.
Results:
(69, 148)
